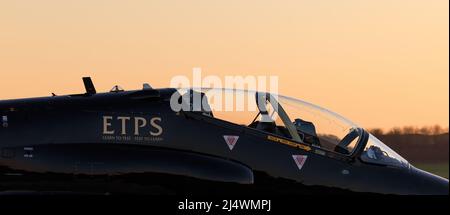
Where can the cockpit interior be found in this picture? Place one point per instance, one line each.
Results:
(291, 119)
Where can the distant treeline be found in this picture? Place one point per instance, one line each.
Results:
(425, 130)
(418, 145)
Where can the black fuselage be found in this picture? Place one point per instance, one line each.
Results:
(133, 141)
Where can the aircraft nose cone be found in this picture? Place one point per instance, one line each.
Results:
(426, 183)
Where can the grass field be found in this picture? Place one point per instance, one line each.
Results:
(440, 169)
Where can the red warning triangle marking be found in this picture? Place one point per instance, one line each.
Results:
(231, 140)
(300, 160)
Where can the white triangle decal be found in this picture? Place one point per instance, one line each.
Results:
(300, 160)
(231, 140)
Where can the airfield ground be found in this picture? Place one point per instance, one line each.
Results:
(440, 169)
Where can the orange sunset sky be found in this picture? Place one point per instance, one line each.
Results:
(381, 63)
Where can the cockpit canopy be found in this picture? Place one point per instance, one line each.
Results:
(289, 118)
